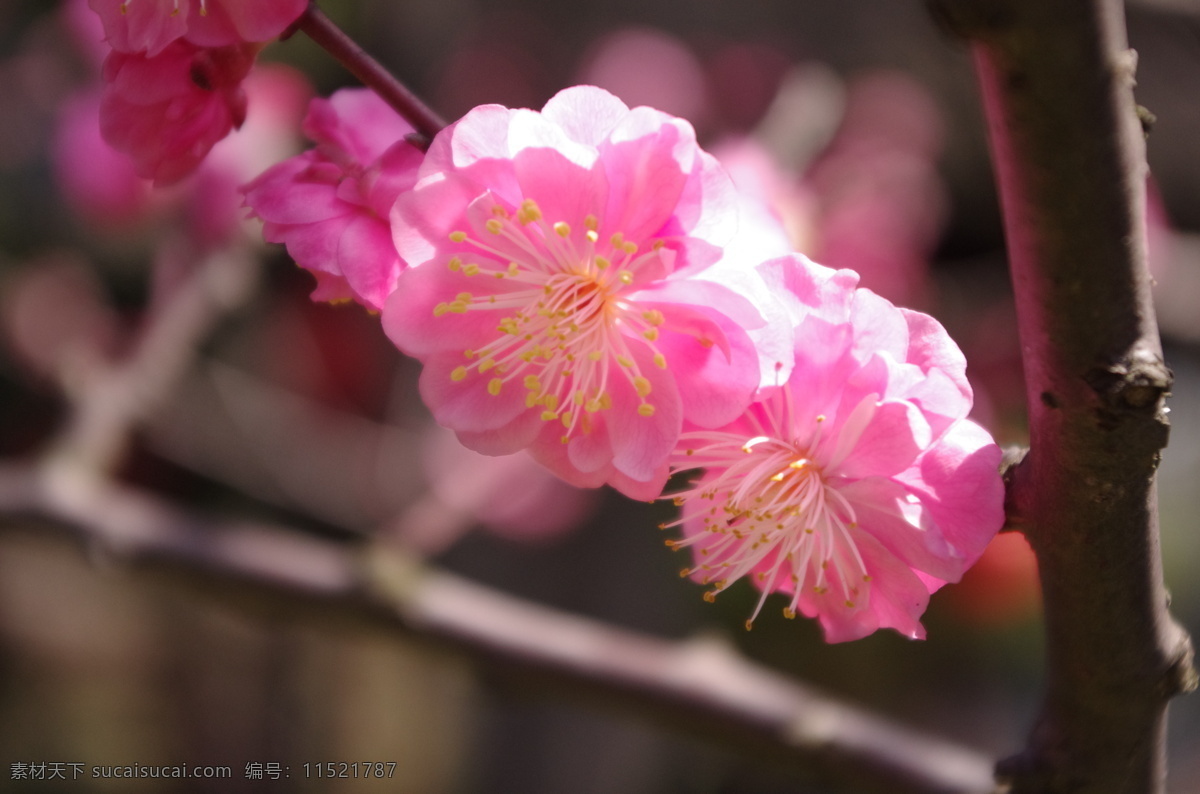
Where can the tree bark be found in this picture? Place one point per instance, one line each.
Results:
(1057, 83)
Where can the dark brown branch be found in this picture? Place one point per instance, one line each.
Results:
(333, 40)
(1057, 80)
(700, 685)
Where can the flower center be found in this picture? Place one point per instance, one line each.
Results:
(767, 508)
(568, 322)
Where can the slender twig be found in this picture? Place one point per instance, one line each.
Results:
(701, 685)
(322, 30)
(1057, 82)
(115, 396)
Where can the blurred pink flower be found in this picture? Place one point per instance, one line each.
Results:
(277, 96)
(149, 26)
(881, 200)
(555, 296)
(330, 205)
(85, 31)
(857, 487)
(98, 182)
(167, 111)
(510, 495)
(622, 61)
(871, 199)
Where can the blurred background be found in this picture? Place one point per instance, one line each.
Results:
(858, 122)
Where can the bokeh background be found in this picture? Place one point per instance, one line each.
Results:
(858, 121)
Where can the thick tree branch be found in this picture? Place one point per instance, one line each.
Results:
(1057, 82)
(700, 685)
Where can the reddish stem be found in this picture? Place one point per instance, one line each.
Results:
(334, 40)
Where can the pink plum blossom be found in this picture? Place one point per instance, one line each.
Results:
(173, 77)
(857, 487)
(330, 205)
(168, 110)
(149, 26)
(277, 97)
(556, 292)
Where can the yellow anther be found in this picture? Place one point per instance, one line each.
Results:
(617, 240)
(513, 268)
(458, 237)
(625, 361)
(529, 212)
(651, 334)
(463, 297)
(494, 386)
(487, 364)
(660, 361)
(592, 236)
(562, 229)
(605, 401)
(471, 269)
(468, 353)
(591, 222)
(441, 309)
(629, 248)
(455, 264)
(458, 373)
(494, 225)
(646, 409)
(686, 572)
(798, 464)
(499, 211)
(566, 419)
(548, 416)
(789, 613)
(565, 439)
(653, 316)
(595, 355)
(710, 596)
(592, 406)
(850, 604)
(458, 307)
(602, 263)
(532, 399)
(625, 276)
(659, 245)
(820, 417)
(577, 397)
(749, 624)
(532, 382)
(642, 385)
